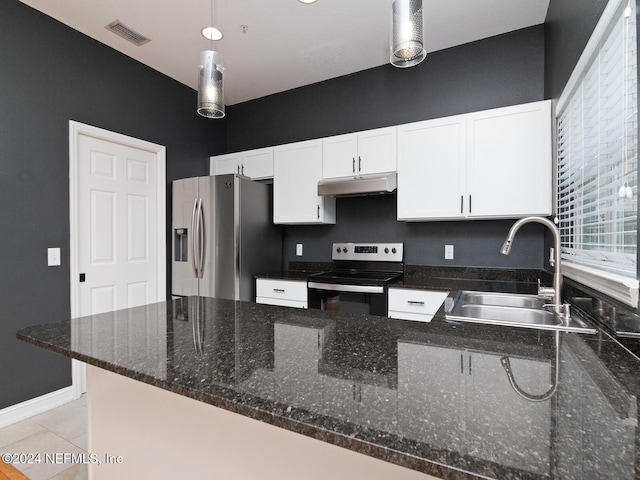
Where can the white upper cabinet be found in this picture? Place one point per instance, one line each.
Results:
(225, 164)
(510, 161)
(490, 164)
(255, 164)
(354, 154)
(297, 170)
(431, 169)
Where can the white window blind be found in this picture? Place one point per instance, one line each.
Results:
(597, 143)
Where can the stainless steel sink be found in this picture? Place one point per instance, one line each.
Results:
(502, 299)
(510, 314)
(509, 309)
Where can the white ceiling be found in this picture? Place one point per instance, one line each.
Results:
(288, 44)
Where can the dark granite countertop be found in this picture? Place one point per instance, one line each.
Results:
(286, 275)
(433, 397)
(436, 278)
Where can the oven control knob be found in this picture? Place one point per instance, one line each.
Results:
(338, 249)
(344, 250)
(393, 250)
(386, 250)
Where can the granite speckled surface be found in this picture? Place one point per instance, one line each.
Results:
(432, 397)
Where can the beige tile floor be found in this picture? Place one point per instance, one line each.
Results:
(58, 431)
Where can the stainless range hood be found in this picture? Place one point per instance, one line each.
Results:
(372, 184)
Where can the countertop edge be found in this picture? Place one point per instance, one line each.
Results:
(350, 442)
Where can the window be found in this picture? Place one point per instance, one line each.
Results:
(597, 121)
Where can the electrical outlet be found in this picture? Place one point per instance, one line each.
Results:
(53, 257)
(448, 252)
(299, 249)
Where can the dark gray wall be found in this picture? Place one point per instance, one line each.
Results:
(495, 72)
(50, 74)
(568, 26)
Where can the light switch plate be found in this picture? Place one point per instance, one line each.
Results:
(299, 249)
(448, 252)
(53, 257)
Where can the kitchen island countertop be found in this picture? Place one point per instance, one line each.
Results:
(430, 397)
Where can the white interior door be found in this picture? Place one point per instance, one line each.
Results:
(117, 194)
(116, 226)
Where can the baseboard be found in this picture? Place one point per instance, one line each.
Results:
(24, 410)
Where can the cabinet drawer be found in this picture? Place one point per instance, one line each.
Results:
(411, 304)
(282, 289)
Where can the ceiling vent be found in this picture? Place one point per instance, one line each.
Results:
(128, 34)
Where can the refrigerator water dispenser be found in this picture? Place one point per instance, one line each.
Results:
(180, 243)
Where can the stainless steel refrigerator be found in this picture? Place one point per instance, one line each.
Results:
(223, 235)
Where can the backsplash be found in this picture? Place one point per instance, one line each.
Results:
(373, 219)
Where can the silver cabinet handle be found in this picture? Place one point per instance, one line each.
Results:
(279, 290)
(461, 203)
(318, 212)
(354, 164)
(413, 302)
(359, 164)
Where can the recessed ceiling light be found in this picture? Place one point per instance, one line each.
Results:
(306, 1)
(211, 33)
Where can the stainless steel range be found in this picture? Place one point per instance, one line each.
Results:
(359, 279)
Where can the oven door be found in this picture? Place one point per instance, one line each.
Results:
(367, 299)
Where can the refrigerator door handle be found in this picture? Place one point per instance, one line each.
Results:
(201, 239)
(194, 239)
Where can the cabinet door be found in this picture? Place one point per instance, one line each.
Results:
(258, 164)
(509, 161)
(224, 164)
(431, 169)
(340, 156)
(377, 151)
(297, 170)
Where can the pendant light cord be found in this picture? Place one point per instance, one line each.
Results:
(211, 36)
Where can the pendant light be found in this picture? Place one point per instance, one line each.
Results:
(407, 47)
(211, 82)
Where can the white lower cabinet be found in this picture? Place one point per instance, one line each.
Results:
(286, 293)
(417, 305)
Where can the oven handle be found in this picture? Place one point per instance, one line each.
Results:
(346, 288)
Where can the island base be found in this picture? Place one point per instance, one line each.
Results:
(137, 430)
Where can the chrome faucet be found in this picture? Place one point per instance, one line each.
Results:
(556, 290)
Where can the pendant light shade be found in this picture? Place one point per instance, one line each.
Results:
(407, 47)
(211, 85)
